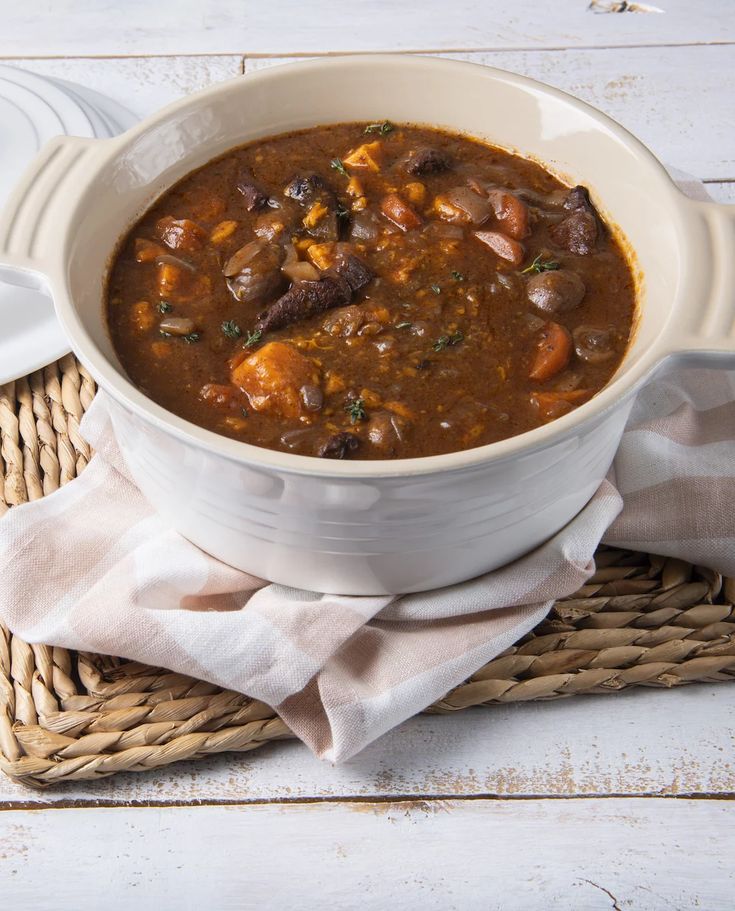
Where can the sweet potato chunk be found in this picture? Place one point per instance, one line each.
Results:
(365, 156)
(511, 213)
(273, 376)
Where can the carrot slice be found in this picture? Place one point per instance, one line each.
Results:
(502, 245)
(399, 212)
(553, 351)
(552, 405)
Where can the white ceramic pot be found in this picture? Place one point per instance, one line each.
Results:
(372, 527)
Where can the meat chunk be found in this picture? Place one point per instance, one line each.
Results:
(254, 197)
(427, 161)
(578, 232)
(339, 446)
(595, 345)
(354, 271)
(556, 292)
(273, 376)
(304, 300)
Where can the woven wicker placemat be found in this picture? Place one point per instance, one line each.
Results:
(641, 620)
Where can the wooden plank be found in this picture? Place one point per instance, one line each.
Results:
(688, 122)
(637, 855)
(142, 85)
(635, 743)
(87, 27)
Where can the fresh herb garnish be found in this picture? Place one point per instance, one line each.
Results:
(164, 307)
(457, 276)
(192, 337)
(231, 329)
(342, 212)
(446, 341)
(436, 289)
(385, 127)
(245, 412)
(356, 410)
(336, 163)
(252, 338)
(538, 265)
(403, 325)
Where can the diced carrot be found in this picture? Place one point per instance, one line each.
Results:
(161, 349)
(503, 246)
(143, 316)
(334, 383)
(219, 394)
(222, 231)
(147, 250)
(181, 234)
(315, 214)
(354, 187)
(170, 279)
(416, 192)
(401, 409)
(553, 351)
(448, 211)
(366, 156)
(399, 212)
(302, 244)
(511, 213)
(552, 405)
(322, 255)
(359, 204)
(370, 398)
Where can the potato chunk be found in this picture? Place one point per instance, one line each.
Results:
(273, 376)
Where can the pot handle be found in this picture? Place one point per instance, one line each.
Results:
(32, 219)
(702, 331)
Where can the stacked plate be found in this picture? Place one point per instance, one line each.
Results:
(33, 109)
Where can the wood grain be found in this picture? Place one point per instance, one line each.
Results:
(638, 743)
(480, 855)
(87, 27)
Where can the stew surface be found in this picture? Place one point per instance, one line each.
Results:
(370, 291)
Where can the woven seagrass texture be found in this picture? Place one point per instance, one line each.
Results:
(641, 620)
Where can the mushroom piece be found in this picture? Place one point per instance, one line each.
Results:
(555, 292)
(593, 344)
(339, 446)
(427, 161)
(254, 271)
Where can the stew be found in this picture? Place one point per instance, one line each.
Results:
(370, 291)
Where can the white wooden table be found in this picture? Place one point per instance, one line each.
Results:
(600, 802)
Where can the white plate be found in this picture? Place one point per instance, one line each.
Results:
(34, 109)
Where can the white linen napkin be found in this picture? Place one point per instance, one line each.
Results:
(92, 567)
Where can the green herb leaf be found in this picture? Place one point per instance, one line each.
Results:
(191, 338)
(436, 289)
(165, 307)
(457, 276)
(403, 325)
(356, 410)
(538, 265)
(231, 329)
(447, 341)
(245, 412)
(383, 128)
(342, 212)
(336, 163)
(252, 338)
